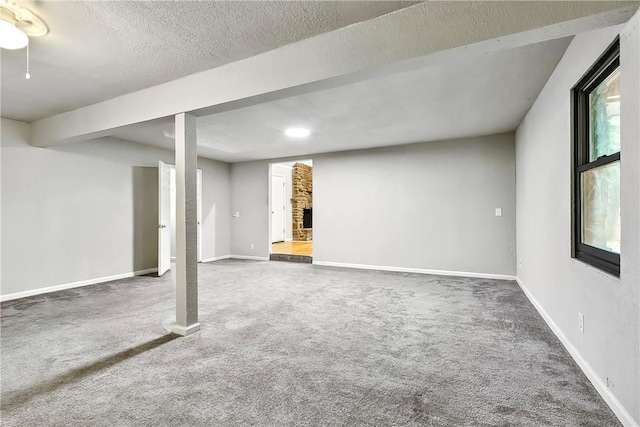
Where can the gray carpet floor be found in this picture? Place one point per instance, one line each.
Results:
(291, 344)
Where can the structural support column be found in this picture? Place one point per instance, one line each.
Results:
(186, 225)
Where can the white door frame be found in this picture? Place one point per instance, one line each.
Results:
(162, 225)
(284, 208)
(199, 213)
(164, 218)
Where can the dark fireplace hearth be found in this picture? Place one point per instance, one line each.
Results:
(307, 218)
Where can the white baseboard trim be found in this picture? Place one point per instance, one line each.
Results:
(625, 417)
(415, 270)
(250, 257)
(79, 284)
(217, 258)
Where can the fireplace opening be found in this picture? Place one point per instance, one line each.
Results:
(307, 218)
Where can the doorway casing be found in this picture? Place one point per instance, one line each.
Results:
(166, 218)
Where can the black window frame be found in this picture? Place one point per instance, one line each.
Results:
(604, 67)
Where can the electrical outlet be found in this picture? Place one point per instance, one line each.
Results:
(520, 263)
(609, 383)
(581, 322)
(252, 246)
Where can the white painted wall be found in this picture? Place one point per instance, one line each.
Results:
(216, 207)
(561, 285)
(423, 206)
(214, 188)
(285, 171)
(250, 185)
(88, 210)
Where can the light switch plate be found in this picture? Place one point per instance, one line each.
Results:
(498, 211)
(581, 322)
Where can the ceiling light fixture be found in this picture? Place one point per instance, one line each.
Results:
(11, 37)
(297, 132)
(17, 24)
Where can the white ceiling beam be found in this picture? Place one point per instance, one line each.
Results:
(398, 41)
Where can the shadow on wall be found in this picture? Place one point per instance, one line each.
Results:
(145, 217)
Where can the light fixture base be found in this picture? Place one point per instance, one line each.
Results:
(30, 23)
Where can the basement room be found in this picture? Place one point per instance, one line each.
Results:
(341, 213)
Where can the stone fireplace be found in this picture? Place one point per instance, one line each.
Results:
(302, 201)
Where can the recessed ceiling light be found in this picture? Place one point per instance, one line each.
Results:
(297, 132)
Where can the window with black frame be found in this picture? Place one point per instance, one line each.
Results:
(596, 169)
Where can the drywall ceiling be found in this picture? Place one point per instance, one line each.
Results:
(97, 50)
(480, 95)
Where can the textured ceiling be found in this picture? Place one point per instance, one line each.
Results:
(97, 50)
(480, 95)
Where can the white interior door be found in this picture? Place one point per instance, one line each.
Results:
(164, 218)
(277, 208)
(199, 198)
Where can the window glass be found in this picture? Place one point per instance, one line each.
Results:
(600, 196)
(604, 117)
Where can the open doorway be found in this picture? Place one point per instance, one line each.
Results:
(291, 213)
(167, 216)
